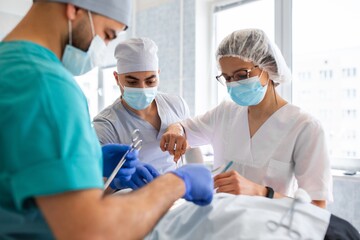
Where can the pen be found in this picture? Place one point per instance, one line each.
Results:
(227, 166)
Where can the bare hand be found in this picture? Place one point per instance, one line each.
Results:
(232, 182)
(174, 141)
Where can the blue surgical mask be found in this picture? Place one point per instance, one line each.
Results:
(247, 92)
(139, 98)
(78, 61)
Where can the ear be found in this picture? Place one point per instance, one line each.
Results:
(264, 78)
(159, 71)
(70, 12)
(116, 76)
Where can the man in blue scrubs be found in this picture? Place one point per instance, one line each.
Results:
(50, 160)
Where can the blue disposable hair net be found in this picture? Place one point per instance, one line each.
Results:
(252, 45)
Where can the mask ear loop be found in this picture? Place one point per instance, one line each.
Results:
(262, 71)
(91, 23)
(273, 86)
(70, 32)
(123, 87)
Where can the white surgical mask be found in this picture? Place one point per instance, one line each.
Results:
(139, 98)
(78, 61)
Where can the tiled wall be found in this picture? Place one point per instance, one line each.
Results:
(347, 199)
(162, 21)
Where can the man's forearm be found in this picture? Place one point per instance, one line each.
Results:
(147, 205)
(88, 214)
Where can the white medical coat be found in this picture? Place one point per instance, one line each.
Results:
(286, 152)
(116, 123)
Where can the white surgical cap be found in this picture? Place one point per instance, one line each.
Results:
(136, 55)
(252, 45)
(119, 10)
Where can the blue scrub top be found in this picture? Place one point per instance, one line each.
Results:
(48, 145)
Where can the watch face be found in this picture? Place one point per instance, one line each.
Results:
(270, 192)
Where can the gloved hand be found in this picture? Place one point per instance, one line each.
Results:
(198, 182)
(144, 174)
(112, 154)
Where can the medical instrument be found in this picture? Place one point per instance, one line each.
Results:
(216, 169)
(227, 166)
(180, 160)
(274, 226)
(136, 144)
(221, 169)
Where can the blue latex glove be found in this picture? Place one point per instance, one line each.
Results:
(144, 174)
(112, 154)
(198, 182)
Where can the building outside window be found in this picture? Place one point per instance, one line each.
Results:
(332, 52)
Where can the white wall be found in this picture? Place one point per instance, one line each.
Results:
(11, 12)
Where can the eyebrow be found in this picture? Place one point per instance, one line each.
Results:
(237, 71)
(242, 69)
(135, 78)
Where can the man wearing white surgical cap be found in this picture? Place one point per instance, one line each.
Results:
(275, 147)
(141, 107)
(52, 165)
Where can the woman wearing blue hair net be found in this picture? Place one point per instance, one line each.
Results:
(275, 146)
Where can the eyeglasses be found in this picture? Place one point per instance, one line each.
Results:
(241, 74)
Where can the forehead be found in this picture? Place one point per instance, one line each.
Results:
(139, 75)
(230, 64)
(110, 23)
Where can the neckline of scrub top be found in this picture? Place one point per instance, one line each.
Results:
(260, 129)
(149, 126)
(283, 119)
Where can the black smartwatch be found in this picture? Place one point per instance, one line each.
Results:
(270, 192)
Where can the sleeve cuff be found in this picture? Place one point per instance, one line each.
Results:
(55, 177)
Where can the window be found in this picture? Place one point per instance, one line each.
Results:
(240, 15)
(320, 46)
(109, 90)
(89, 85)
(100, 88)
